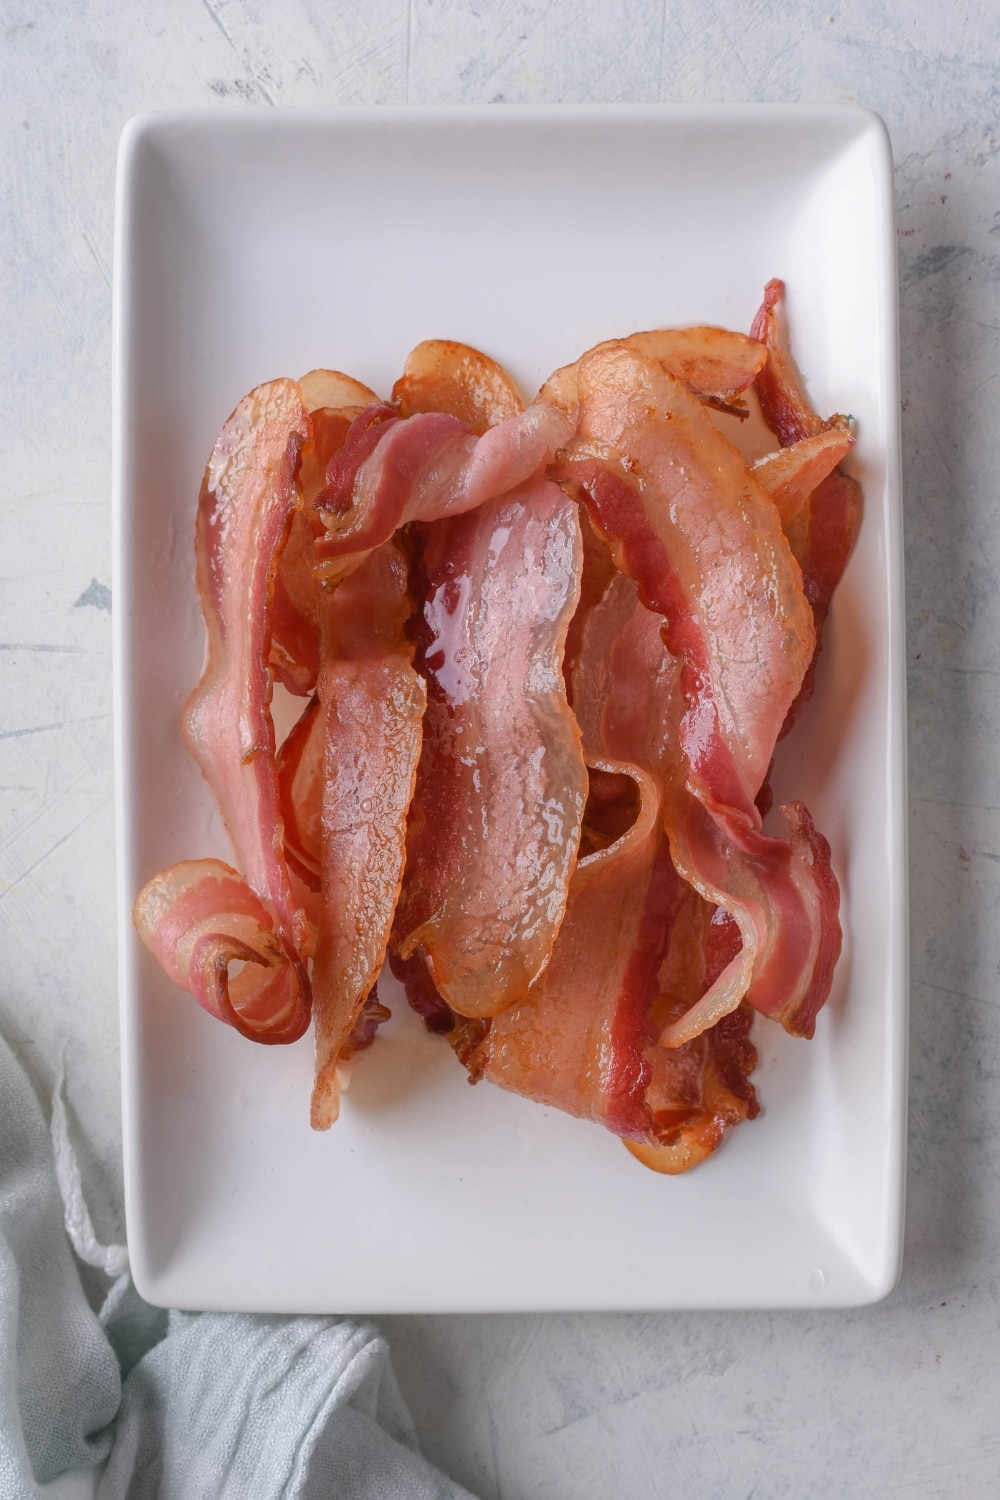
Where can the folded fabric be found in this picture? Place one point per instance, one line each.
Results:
(224, 1406)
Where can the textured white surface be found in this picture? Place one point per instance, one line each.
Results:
(897, 1399)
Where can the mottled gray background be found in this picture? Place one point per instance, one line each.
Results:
(899, 1399)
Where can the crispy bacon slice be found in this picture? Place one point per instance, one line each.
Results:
(502, 783)
(248, 500)
(705, 547)
(444, 376)
(199, 917)
(713, 363)
(371, 704)
(423, 468)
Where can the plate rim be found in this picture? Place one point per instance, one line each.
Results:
(147, 128)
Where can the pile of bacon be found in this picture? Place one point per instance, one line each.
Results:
(547, 653)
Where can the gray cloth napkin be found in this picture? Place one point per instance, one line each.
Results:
(221, 1405)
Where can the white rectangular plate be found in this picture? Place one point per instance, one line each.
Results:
(252, 245)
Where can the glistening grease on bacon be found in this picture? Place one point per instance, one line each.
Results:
(705, 546)
(371, 705)
(424, 468)
(502, 783)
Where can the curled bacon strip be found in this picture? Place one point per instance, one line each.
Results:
(791, 475)
(444, 376)
(705, 547)
(626, 692)
(502, 781)
(713, 363)
(824, 529)
(423, 468)
(199, 917)
(248, 499)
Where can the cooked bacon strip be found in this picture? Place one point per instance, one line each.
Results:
(371, 708)
(791, 475)
(423, 468)
(333, 401)
(443, 376)
(713, 363)
(248, 500)
(334, 391)
(626, 692)
(822, 533)
(597, 572)
(502, 782)
(705, 547)
(579, 1042)
(197, 918)
(699, 1091)
(295, 614)
(370, 1017)
(300, 791)
(784, 404)
(781, 892)
(582, 1041)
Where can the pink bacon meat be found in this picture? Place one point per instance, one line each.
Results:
(199, 917)
(706, 549)
(583, 1039)
(502, 782)
(248, 500)
(422, 468)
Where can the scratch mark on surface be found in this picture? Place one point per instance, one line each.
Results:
(52, 848)
(48, 800)
(92, 247)
(38, 646)
(226, 33)
(17, 734)
(932, 261)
